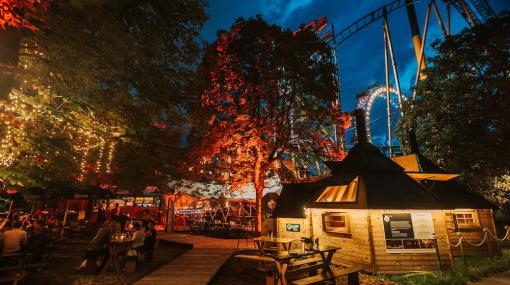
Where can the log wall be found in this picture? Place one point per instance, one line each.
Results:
(365, 244)
(473, 235)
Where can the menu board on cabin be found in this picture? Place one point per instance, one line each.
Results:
(408, 232)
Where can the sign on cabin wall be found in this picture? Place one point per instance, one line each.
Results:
(293, 227)
(408, 232)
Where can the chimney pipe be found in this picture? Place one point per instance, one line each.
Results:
(413, 142)
(361, 129)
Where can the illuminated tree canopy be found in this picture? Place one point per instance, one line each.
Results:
(266, 95)
(461, 114)
(98, 93)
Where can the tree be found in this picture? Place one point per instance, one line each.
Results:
(99, 92)
(266, 93)
(461, 113)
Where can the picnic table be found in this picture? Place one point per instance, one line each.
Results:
(283, 260)
(116, 247)
(261, 241)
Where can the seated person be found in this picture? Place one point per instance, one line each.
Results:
(98, 245)
(138, 237)
(14, 239)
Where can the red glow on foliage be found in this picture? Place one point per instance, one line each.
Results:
(18, 13)
(39, 159)
(159, 125)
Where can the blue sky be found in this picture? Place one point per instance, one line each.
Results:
(361, 58)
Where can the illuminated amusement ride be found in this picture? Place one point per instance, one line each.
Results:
(474, 12)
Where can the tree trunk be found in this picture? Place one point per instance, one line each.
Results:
(258, 182)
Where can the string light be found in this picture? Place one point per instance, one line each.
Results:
(23, 112)
(111, 150)
(83, 162)
(101, 154)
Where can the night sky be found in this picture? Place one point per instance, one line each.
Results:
(361, 58)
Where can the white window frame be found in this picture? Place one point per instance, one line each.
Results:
(474, 225)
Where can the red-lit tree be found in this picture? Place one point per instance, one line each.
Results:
(266, 94)
(21, 13)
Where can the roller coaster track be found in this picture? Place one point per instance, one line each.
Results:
(368, 19)
(482, 7)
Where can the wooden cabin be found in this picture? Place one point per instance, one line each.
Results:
(382, 217)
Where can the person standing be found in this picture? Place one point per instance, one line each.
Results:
(149, 242)
(147, 218)
(38, 242)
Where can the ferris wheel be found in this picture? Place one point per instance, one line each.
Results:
(365, 102)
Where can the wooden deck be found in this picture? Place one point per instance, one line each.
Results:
(195, 267)
(201, 242)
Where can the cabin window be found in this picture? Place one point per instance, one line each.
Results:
(340, 193)
(466, 219)
(335, 222)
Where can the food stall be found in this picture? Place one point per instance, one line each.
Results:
(133, 205)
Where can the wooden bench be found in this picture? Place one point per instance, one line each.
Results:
(309, 265)
(351, 273)
(13, 273)
(268, 269)
(254, 257)
(305, 261)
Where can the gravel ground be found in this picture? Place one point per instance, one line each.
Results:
(67, 256)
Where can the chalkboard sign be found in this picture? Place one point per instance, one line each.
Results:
(293, 227)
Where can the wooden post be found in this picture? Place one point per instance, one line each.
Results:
(464, 261)
(450, 249)
(8, 216)
(489, 248)
(10, 209)
(167, 212)
(171, 208)
(373, 262)
(496, 233)
(436, 247)
(310, 221)
(65, 218)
